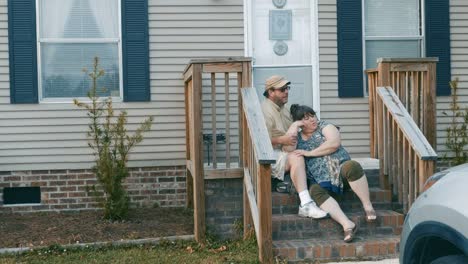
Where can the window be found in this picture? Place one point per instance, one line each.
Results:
(70, 34)
(391, 29)
(50, 41)
(370, 29)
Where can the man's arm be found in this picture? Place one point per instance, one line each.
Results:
(285, 140)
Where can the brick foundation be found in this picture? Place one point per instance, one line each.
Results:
(66, 189)
(223, 203)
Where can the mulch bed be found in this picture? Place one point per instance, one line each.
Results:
(50, 228)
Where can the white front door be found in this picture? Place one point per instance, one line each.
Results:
(281, 40)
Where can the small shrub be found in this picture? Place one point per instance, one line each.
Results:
(457, 134)
(111, 145)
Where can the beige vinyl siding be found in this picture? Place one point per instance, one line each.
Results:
(52, 136)
(459, 61)
(351, 114)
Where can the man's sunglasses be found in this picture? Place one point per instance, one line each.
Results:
(284, 88)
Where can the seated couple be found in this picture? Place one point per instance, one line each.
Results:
(310, 150)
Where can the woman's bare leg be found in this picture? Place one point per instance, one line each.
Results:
(333, 208)
(361, 189)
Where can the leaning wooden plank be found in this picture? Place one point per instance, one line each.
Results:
(252, 200)
(258, 131)
(418, 141)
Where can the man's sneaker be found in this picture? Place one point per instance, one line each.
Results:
(311, 210)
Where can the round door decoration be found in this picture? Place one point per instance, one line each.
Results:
(279, 3)
(280, 48)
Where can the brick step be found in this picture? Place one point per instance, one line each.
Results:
(283, 203)
(372, 177)
(363, 247)
(293, 226)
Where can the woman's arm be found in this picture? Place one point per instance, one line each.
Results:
(331, 144)
(292, 132)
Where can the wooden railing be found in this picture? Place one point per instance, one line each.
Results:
(413, 81)
(406, 157)
(201, 124)
(235, 118)
(258, 157)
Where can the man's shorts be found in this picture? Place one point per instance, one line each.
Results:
(278, 169)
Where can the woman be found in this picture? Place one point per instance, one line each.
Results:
(327, 165)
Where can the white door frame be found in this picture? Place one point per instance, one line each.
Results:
(314, 42)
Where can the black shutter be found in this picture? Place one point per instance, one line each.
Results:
(135, 49)
(438, 41)
(22, 51)
(350, 71)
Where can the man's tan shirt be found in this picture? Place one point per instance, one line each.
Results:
(277, 119)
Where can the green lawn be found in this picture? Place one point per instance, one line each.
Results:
(167, 252)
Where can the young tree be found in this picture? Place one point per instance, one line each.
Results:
(457, 134)
(111, 145)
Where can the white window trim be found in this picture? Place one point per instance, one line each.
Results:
(421, 37)
(68, 100)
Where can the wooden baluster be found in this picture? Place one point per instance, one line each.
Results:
(394, 154)
(371, 115)
(389, 152)
(408, 90)
(242, 153)
(228, 133)
(383, 178)
(213, 118)
(402, 87)
(410, 176)
(405, 173)
(415, 99)
(430, 130)
(399, 170)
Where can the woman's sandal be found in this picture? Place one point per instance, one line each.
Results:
(350, 233)
(371, 216)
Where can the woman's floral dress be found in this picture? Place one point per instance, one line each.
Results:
(323, 170)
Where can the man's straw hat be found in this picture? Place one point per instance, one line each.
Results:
(275, 82)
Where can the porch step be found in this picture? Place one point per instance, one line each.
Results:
(363, 247)
(283, 203)
(292, 226)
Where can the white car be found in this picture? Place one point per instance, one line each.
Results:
(436, 226)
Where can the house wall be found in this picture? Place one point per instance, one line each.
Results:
(459, 61)
(63, 190)
(52, 136)
(352, 114)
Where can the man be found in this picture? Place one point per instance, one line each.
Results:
(278, 120)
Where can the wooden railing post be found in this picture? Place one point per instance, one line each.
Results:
(255, 154)
(197, 164)
(265, 243)
(188, 142)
